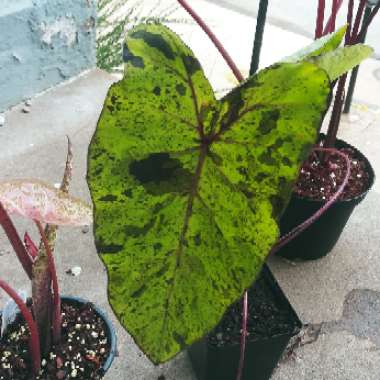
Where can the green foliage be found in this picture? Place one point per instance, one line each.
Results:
(318, 47)
(188, 190)
(341, 60)
(115, 17)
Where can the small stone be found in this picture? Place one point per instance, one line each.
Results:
(28, 103)
(75, 271)
(26, 109)
(2, 120)
(219, 336)
(85, 229)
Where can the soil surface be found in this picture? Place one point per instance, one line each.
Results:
(81, 354)
(320, 178)
(267, 317)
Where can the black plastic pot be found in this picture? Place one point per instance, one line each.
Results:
(110, 331)
(320, 238)
(261, 356)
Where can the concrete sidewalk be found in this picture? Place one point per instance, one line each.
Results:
(338, 295)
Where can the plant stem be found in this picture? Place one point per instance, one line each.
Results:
(330, 26)
(336, 113)
(213, 38)
(42, 300)
(30, 246)
(300, 228)
(260, 26)
(358, 19)
(34, 342)
(16, 241)
(372, 15)
(320, 19)
(56, 296)
(350, 15)
(243, 336)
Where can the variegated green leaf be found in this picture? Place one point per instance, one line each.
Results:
(341, 60)
(187, 189)
(318, 47)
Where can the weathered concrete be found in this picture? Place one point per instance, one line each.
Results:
(42, 43)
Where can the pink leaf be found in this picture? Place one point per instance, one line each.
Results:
(37, 200)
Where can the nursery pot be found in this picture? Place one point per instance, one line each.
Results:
(262, 354)
(320, 238)
(109, 329)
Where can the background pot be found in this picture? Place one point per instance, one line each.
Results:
(110, 331)
(320, 238)
(262, 355)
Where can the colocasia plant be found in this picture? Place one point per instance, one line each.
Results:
(43, 204)
(188, 190)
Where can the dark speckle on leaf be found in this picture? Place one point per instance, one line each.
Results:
(134, 231)
(128, 193)
(108, 198)
(192, 64)
(268, 121)
(110, 248)
(138, 292)
(155, 41)
(157, 246)
(266, 158)
(134, 60)
(181, 89)
(159, 173)
(157, 91)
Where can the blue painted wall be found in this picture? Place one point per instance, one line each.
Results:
(42, 43)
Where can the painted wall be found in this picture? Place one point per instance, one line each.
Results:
(42, 43)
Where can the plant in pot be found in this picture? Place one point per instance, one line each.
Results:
(188, 190)
(322, 174)
(48, 336)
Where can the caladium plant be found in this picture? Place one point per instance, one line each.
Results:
(42, 203)
(188, 190)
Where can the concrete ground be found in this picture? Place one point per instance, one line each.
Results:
(338, 296)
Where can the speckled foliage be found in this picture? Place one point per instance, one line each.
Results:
(187, 189)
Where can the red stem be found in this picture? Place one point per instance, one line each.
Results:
(57, 319)
(297, 230)
(358, 19)
(320, 19)
(34, 340)
(16, 241)
(330, 26)
(350, 15)
(30, 246)
(244, 334)
(363, 31)
(214, 40)
(336, 113)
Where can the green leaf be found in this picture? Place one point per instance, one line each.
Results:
(341, 60)
(321, 46)
(187, 189)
